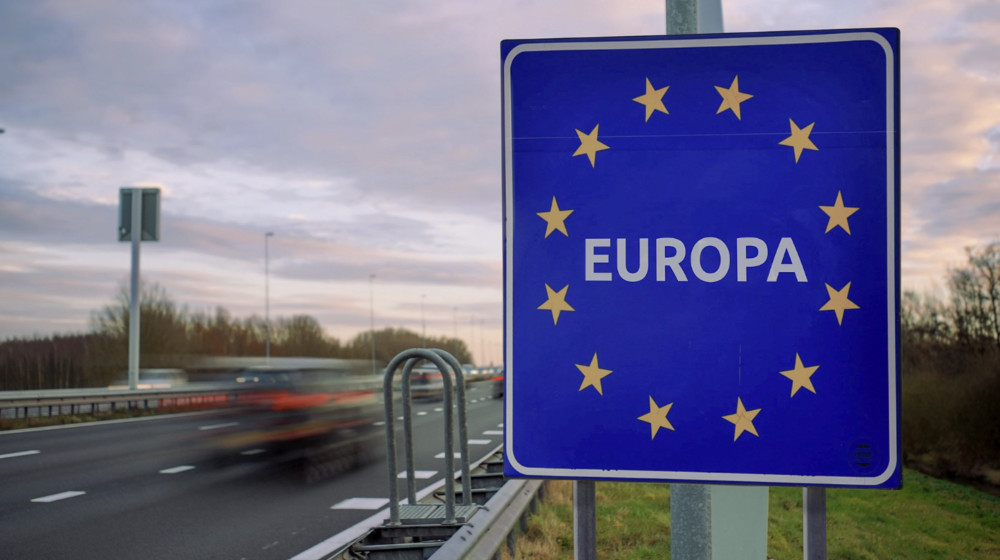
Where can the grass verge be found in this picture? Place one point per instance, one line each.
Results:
(927, 519)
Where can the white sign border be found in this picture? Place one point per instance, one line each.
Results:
(722, 477)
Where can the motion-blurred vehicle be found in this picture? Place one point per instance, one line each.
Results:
(497, 383)
(426, 383)
(153, 378)
(320, 410)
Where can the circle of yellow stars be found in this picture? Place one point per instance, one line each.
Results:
(838, 215)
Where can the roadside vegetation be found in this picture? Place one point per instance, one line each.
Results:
(175, 337)
(927, 519)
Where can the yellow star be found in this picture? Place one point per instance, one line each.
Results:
(657, 417)
(592, 375)
(743, 419)
(556, 302)
(838, 302)
(838, 214)
(732, 97)
(555, 219)
(799, 140)
(590, 145)
(800, 376)
(652, 99)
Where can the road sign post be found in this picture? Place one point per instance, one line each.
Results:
(138, 220)
(701, 250)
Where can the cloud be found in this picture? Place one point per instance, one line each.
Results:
(367, 138)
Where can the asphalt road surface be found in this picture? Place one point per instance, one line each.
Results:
(148, 488)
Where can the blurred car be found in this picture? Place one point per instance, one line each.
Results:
(426, 383)
(299, 408)
(497, 383)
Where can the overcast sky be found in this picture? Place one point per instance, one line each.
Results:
(366, 136)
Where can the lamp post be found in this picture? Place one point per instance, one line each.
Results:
(267, 301)
(423, 322)
(371, 297)
(472, 337)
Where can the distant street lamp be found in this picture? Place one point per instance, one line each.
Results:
(423, 322)
(472, 337)
(371, 297)
(267, 301)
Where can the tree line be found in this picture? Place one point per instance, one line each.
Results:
(950, 367)
(173, 337)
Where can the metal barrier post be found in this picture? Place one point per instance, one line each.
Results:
(463, 426)
(390, 424)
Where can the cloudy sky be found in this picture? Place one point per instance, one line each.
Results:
(366, 136)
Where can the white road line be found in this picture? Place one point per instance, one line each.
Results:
(59, 496)
(19, 454)
(217, 426)
(361, 503)
(439, 409)
(493, 433)
(480, 441)
(252, 452)
(419, 475)
(178, 469)
(379, 423)
(441, 455)
(422, 413)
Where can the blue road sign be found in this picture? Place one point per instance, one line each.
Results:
(701, 258)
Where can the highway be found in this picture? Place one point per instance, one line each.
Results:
(148, 488)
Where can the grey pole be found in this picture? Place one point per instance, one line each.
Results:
(371, 297)
(814, 523)
(690, 504)
(133, 314)
(423, 322)
(585, 520)
(267, 302)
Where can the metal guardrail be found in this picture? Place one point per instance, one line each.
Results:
(18, 404)
(496, 524)
(499, 519)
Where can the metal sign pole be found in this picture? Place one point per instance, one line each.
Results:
(584, 520)
(814, 523)
(133, 316)
(690, 504)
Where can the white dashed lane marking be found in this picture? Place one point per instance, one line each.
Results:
(419, 475)
(480, 441)
(441, 455)
(60, 496)
(19, 454)
(177, 469)
(361, 503)
(493, 433)
(218, 426)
